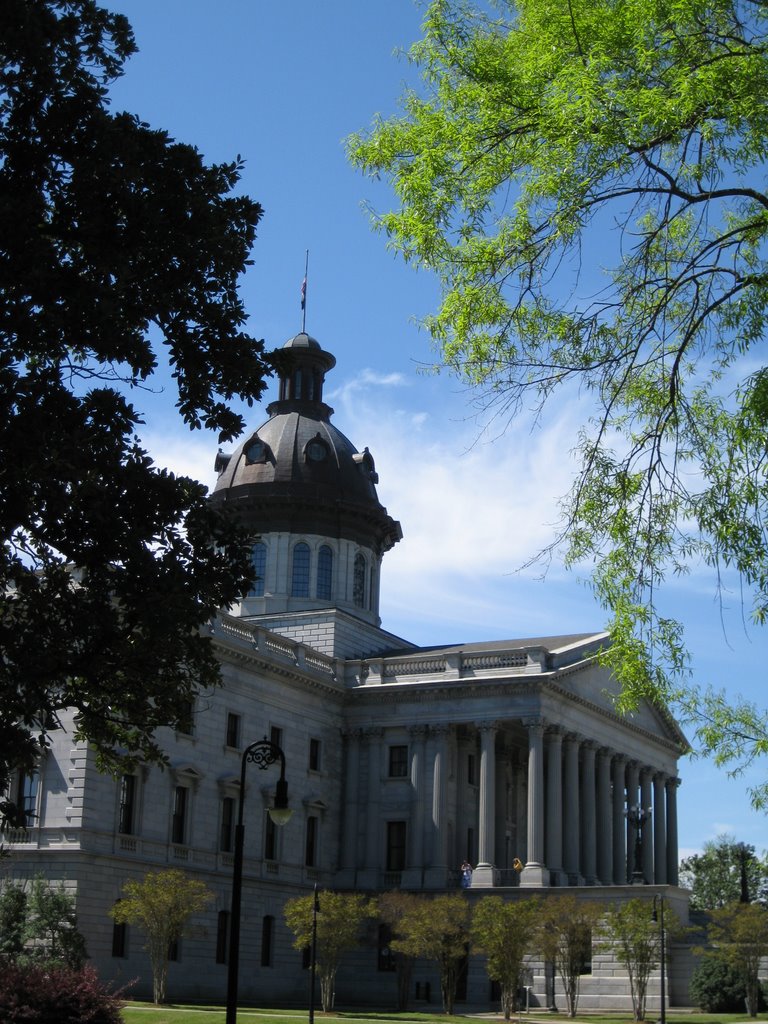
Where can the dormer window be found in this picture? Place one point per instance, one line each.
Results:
(316, 450)
(255, 451)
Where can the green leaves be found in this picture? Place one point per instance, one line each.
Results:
(587, 181)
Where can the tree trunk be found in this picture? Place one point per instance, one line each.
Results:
(327, 982)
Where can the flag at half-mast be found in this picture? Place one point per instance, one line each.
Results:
(304, 293)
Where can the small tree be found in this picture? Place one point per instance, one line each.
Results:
(505, 932)
(13, 914)
(738, 936)
(565, 939)
(438, 930)
(339, 919)
(636, 938)
(161, 904)
(40, 924)
(51, 925)
(393, 907)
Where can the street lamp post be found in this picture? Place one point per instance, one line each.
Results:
(637, 816)
(313, 959)
(660, 918)
(262, 753)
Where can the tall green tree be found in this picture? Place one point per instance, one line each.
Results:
(725, 872)
(120, 254)
(161, 905)
(738, 936)
(506, 932)
(340, 918)
(587, 180)
(437, 929)
(565, 938)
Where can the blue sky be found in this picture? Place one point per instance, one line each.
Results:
(282, 84)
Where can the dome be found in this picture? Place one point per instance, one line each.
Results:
(297, 472)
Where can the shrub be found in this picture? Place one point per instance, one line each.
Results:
(53, 994)
(716, 987)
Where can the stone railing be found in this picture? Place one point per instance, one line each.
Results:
(272, 645)
(451, 665)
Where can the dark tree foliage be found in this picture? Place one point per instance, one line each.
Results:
(120, 251)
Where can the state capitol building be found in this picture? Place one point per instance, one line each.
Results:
(401, 761)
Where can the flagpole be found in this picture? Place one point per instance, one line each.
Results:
(304, 296)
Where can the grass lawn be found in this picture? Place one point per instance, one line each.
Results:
(146, 1013)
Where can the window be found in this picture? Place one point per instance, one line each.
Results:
(126, 822)
(395, 845)
(233, 730)
(324, 573)
(398, 762)
(471, 769)
(26, 795)
(267, 933)
(222, 937)
(173, 951)
(310, 850)
(276, 736)
(255, 451)
(358, 581)
(227, 824)
(119, 938)
(185, 721)
(179, 819)
(259, 560)
(270, 839)
(300, 574)
(314, 755)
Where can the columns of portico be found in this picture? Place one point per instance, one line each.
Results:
(619, 821)
(483, 875)
(535, 873)
(588, 814)
(413, 874)
(671, 787)
(604, 818)
(436, 876)
(660, 830)
(646, 778)
(554, 801)
(572, 813)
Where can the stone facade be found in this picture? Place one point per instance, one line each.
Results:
(401, 761)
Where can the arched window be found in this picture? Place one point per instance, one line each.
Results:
(300, 574)
(324, 573)
(259, 559)
(358, 581)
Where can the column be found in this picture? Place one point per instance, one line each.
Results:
(672, 854)
(619, 822)
(604, 818)
(535, 873)
(660, 830)
(572, 815)
(369, 877)
(436, 876)
(646, 778)
(484, 872)
(413, 875)
(554, 801)
(588, 833)
(351, 808)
